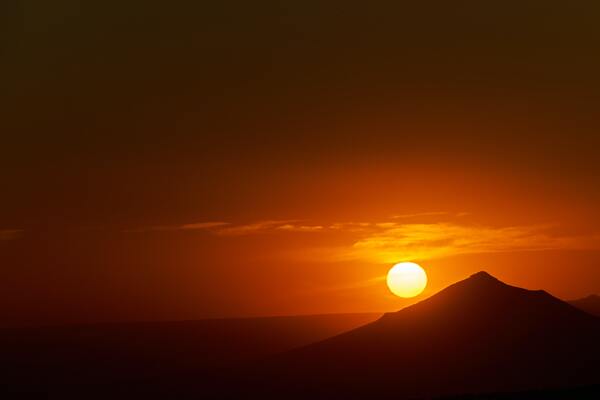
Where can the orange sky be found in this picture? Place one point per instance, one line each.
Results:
(270, 159)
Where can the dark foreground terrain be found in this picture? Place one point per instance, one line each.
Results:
(59, 359)
(478, 338)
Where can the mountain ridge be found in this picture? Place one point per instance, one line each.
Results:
(589, 304)
(478, 335)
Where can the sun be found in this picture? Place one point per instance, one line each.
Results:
(406, 279)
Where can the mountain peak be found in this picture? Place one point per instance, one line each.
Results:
(483, 295)
(508, 338)
(483, 275)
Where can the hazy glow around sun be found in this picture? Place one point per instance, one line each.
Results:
(406, 279)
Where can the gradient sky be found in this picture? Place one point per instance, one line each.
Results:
(178, 161)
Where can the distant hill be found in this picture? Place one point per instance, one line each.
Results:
(476, 336)
(47, 359)
(590, 304)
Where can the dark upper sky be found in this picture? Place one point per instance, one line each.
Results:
(127, 115)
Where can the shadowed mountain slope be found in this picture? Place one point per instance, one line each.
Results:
(476, 336)
(590, 304)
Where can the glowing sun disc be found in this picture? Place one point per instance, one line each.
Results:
(406, 279)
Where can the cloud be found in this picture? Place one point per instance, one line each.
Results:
(417, 215)
(390, 242)
(211, 225)
(430, 214)
(9, 234)
(268, 227)
(203, 225)
(395, 240)
(228, 229)
(301, 228)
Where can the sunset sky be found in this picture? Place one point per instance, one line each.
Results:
(163, 161)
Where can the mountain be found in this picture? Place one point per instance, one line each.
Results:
(590, 304)
(477, 336)
(51, 359)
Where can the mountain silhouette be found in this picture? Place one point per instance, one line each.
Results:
(476, 337)
(479, 335)
(590, 304)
